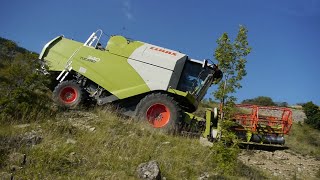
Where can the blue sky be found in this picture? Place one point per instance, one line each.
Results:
(284, 34)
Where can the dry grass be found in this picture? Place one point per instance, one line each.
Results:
(304, 139)
(70, 150)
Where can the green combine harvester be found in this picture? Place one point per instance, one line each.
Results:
(149, 82)
(152, 83)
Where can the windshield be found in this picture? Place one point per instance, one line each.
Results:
(193, 77)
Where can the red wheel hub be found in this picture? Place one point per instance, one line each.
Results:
(158, 115)
(68, 95)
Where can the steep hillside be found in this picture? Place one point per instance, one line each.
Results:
(101, 145)
(24, 96)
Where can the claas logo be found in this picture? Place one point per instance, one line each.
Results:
(163, 51)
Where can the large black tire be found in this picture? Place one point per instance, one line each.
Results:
(68, 94)
(161, 111)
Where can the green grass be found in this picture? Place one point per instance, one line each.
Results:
(114, 150)
(304, 139)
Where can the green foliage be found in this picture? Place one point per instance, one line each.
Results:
(57, 162)
(310, 109)
(249, 171)
(261, 100)
(226, 157)
(23, 92)
(232, 61)
(312, 112)
(282, 104)
(304, 139)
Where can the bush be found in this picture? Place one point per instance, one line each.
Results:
(313, 114)
(23, 91)
(261, 100)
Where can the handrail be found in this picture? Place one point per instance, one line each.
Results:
(93, 38)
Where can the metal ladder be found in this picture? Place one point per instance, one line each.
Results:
(89, 43)
(68, 67)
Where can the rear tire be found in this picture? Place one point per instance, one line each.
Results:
(161, 111)
(68, 94)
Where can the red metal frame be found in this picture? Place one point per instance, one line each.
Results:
(256, 122)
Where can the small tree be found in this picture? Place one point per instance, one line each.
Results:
(232, 61)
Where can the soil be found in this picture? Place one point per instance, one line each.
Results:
(282, 164)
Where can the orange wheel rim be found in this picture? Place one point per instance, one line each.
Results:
(158, 115)
(68, 95)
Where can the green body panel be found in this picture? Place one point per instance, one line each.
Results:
(206, 133)
(189, 118)
(109, 69)
(187, 95)
(50, 43)
(58, 51)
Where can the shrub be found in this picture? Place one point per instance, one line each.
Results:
(261, 100)
(313, 114)
(23, 91)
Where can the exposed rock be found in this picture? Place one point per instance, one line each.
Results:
(22, 126)
(149, 171)
(205, 142)
(204, 176)
(31, 138)
(73, 157)
(166, 142)
(6, 176)
(71, 141)
(297, 114)
(74, 115)
(92, 129)
(17, 159)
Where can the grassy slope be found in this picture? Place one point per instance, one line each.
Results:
(112, 151)
(304, 140)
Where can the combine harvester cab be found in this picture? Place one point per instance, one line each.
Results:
(262, 125)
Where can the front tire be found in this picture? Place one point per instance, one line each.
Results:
(161, 111)
(68, 94)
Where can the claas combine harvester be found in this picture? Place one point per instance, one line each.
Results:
(152, 83)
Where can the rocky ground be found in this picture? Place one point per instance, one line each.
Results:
(284, 164)
(297, 114)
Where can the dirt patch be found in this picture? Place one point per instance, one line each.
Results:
(284, 164)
